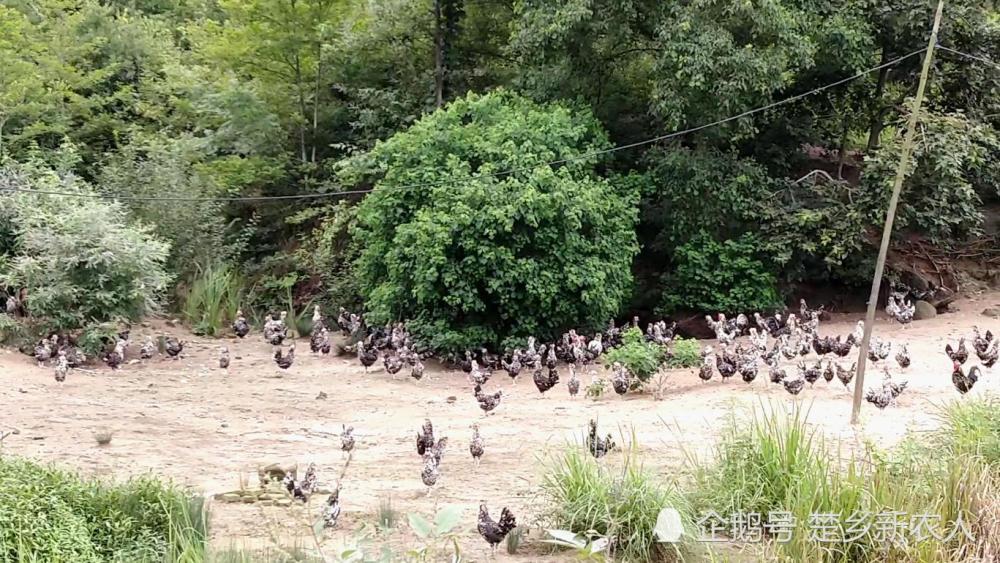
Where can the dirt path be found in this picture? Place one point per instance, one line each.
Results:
(207, 428)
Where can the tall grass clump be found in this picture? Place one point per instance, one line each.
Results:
(47, 514)
(775, 462)
(213, 298)
(620, 503)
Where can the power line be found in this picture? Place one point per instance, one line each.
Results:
(969, 56)
(492, 174)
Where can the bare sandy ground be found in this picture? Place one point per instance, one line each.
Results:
(208, 428)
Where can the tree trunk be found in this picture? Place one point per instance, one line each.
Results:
(302, 106)
(319, 75)
(878, 115)
(438, 54)
(842, 149)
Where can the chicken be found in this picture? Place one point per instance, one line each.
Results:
(417, 369)
(903, 357)
(981, 343)
(828, 373)
(900, 310)
(846, 375)
(513, 367)
(224, 357)
(597, 446)
(476, 447)
(811, 373)
(886, 395)
(115, 358)
(758, 339)
(620, 379)
(488, 402)
(62, 367)
(843, 347)
(771, 325)
(494, 532)
(318, 324)
(240, 326)
(809, 314)
(148, 349)
(425, 438)
(366, 357)
(959, 355)
(726, 364)
(595, 347)
(346, 438)
(989, 357)
(804, 344)
(776, 374)
(545, 382)
(393, 363)
(706, 371)
(794, 386)
(285, 361)
(43, 351)
(173, 347)
(331, 509)
(574, 382)
(344, 322)
(859, 333)
(432, 463)
(319, 339)
(879, 350)
(275, 331)
(787, 350)
(964, 383)
(822, 346)
(747, 366)
(466, 364)
(301, 490)
(478, 376)
(550, 358)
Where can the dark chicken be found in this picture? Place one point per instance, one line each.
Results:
(726, 364)
(285, 361)
(173, 347)
(545, 382)
(794, 386)
(964, 383)
(811, 373)
(241, 327)
(494, 532)
(846, 375)
(597, 446)
(115, 358)
(425, 438)
(828, 373)
(393, 363)
(959, 355)
(981, 343)
(301, 490)
(843, 348)
(366, 357)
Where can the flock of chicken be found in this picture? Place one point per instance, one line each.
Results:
(795, 338)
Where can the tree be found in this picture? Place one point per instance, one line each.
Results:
(468, 258)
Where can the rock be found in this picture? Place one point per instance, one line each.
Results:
(225, 425)
(228, 497)
(322, 395)
(924, 311)
(451, 399)
(992, 312)
(283, 502)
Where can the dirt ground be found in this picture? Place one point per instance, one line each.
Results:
(208, 428)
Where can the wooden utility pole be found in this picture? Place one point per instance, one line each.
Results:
(904, 159)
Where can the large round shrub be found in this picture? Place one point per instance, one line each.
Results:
(469, 258)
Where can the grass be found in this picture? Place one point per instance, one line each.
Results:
(685, 353)
(621, 503)
(387, 516)
(513, 540)
(47, 514)
(213, 299)
(773, 462)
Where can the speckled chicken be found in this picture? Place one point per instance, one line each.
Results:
(44, 350)
(62, 367)
(989, 357)
(301, 490)
(903, 357)
(758, 339)
(392, 363)
(957, 355)
(747, 366)
(794, 386)
(545, 379)
(573, 385)
(241, 327)
(775, 373)
(707, 370)
(620, 379)
(344, 321)
(597, 446)
(476, 446)
(487, 402)
(964, 383)
(810, 373)
(900, 309)
(417, 369)
(879, 350)
(726, 364)
(432, 463)
(491, 531)
(285, 361)
(275, 331)
(224, 357)
(331, 509)
(347, 440)
(981, 343)
(885, 395)
(173, 347)
(116, 356)
(366, 356)
(148, 349)
(478, 375)
(513, 367)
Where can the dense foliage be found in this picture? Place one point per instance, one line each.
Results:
(641, 358)
(468, 257)
(51, 515)
(251, 98)
(79, 259)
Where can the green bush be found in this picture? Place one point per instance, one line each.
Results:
(51, 515)
(473, 257)
(79, 258)
(716, 276)
(686, 353)
(214, 297)
(641, 358)
(619, 503)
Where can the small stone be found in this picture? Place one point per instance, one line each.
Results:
(451, 399)
(924, 311)
(992, 312)
(267, 502)
(321, 396)
(224, 425)
(283, 502)
(171, 322)
(248, 500)
(21, 390)
(228, 497)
